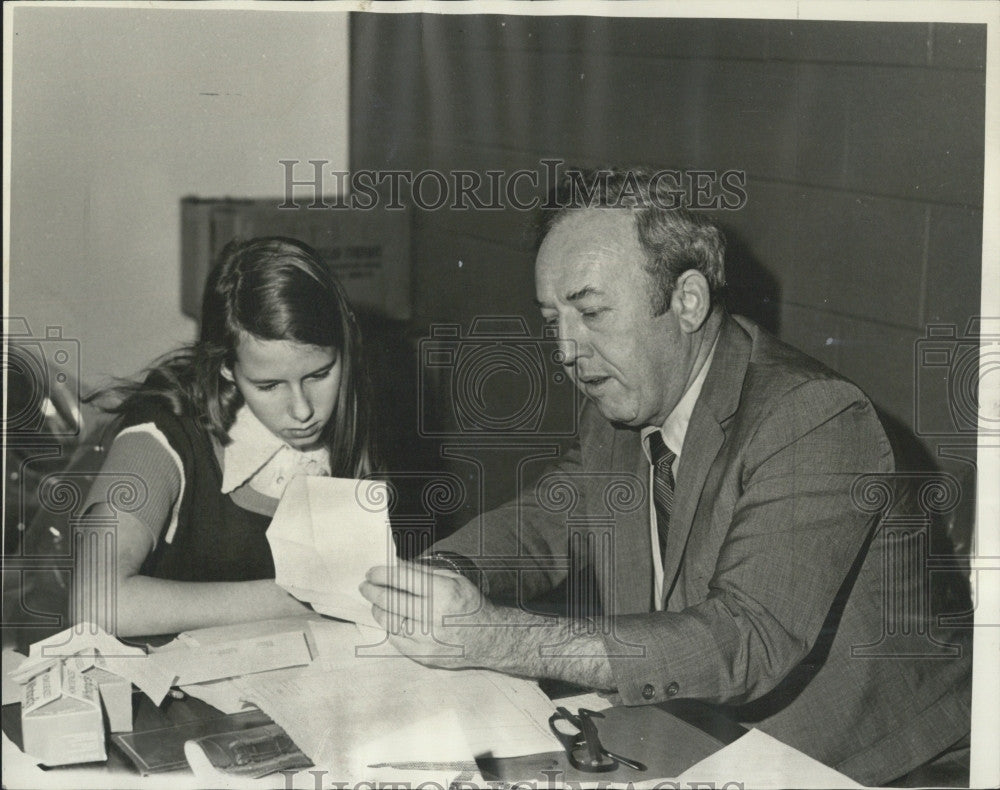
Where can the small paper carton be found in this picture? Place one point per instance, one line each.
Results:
(61, 720)
(116, 694)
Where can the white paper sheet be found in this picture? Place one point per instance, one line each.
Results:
(325, 535)
(761, 761)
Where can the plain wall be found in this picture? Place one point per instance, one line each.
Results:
(862, 144)
(119, 113)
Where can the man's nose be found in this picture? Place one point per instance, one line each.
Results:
(567, 350)
(300, 408)
(571, 343)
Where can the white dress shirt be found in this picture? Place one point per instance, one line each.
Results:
(673, 431)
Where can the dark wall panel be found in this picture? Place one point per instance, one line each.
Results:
(862, 144)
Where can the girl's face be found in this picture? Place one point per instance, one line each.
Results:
(290, 387)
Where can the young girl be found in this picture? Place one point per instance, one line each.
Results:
(272, 389)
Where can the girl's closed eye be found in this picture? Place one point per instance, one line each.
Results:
(322, 374)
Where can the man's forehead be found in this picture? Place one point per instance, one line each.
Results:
(597, 224)
(587, 253)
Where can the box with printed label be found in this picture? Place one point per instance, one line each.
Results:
(61, 721)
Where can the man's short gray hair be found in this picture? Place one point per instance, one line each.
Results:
(675, 239)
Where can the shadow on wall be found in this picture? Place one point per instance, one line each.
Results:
(952, 529)
(407, 460)
(751, 290)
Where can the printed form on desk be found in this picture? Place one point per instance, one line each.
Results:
(355, 712)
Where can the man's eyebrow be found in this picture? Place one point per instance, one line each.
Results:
(576, 296)
(587, 290)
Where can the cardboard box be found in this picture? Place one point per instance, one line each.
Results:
(368, 250)
(61, 721)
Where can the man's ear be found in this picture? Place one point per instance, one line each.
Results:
(691, 300)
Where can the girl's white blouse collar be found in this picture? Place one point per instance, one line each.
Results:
(257, 456)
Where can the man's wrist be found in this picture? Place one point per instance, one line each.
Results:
(460, 564)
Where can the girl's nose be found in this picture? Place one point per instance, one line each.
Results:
(300, 408)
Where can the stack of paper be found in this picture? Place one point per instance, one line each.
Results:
(364, 713)
(326, 533)
(224, 694)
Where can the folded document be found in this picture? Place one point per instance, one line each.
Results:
(325, 535)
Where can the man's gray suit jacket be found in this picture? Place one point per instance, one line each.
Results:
(777, 576)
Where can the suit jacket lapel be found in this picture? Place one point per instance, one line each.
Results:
(720, 396)
(628, 588)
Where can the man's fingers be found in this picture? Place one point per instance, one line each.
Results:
(411, 577)
(372, 593)
(391, 599)
(381, 616)
(394, 623)
(379, 575)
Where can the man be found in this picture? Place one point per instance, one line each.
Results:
(752, 568)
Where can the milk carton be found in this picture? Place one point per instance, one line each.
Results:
(61, 721)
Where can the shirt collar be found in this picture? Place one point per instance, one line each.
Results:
(250, 449)
(675, 427)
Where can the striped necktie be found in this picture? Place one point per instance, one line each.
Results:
(663, 485)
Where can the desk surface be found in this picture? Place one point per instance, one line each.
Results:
(669, 738)
(695, 730)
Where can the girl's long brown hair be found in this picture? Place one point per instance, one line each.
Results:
(273, 289)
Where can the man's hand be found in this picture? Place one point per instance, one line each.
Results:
(434, 615)
(440, 618)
